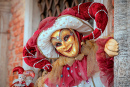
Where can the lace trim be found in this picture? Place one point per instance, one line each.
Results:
(28, 51)
(78, 7)
(101, 10)
(47, 66)
(100, 30)
(93, 35)
(37, 62)
(89, 8)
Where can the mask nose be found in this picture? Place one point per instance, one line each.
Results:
(64, 45)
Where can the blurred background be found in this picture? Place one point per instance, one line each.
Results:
(19, 19)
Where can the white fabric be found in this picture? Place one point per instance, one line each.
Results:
(78, 7)
(93, 35)
(17, 84)
(100, 30)
(28, 82)
(20, 78)
(96, 79)
(65, 21)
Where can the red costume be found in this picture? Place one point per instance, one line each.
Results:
(79, 14)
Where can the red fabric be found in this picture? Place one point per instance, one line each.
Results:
(105, 64)
(29, 73)
(101, 18)
(31, 45)
(71, 11)
(101, 21)
(31, 61)
(77, 72)
(74, 78)
(31, 85)
(18, 83)
(19, 69)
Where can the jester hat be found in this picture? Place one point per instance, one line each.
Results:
(74, 18)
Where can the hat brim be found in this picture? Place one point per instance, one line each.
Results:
(66, 21)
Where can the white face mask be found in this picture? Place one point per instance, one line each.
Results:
(21, 78)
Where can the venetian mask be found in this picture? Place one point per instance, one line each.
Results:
(21, 78)
(66, 42)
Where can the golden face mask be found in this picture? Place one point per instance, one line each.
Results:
(66, 42)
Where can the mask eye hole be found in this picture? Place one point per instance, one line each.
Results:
(58, 44)
(66, 37)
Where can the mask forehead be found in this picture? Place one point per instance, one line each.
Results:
(56, 33)
(60, 33)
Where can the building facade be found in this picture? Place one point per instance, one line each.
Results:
(20, 18)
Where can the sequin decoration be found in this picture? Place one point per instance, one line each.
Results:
(87, 81)
(68, 68)
(61, 76)
(63, 84)
(68, 75)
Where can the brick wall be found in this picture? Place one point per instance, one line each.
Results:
(16, 30)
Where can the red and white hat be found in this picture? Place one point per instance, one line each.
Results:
(63, 21)
(29, 73)
(74, 18)
(19, 69)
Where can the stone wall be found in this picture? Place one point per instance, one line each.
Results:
(4, 21)
(15, 38)
(122, 35)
